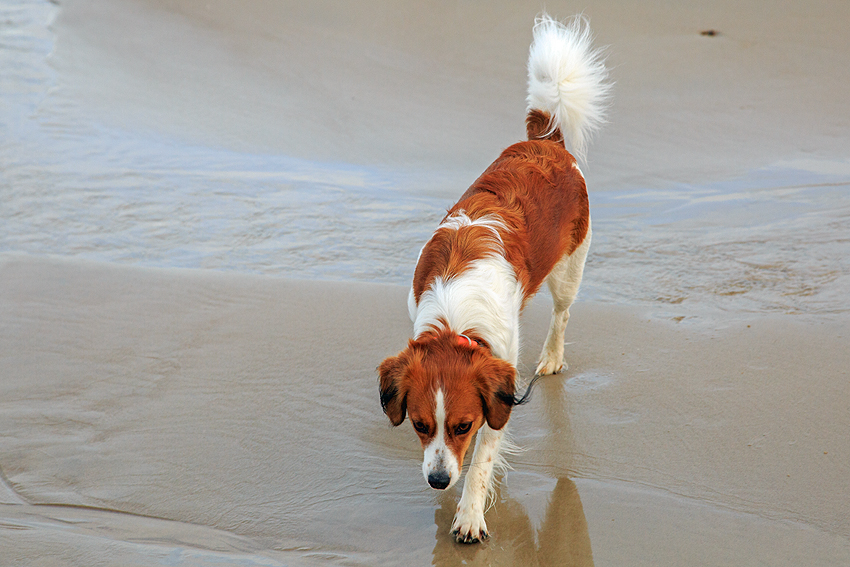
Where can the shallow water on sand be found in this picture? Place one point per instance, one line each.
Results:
(771, 239)
(185, 381)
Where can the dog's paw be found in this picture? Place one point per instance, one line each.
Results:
(551, 365)
(551, 359)
(469, 528)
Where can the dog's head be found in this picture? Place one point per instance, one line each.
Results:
(449, 386)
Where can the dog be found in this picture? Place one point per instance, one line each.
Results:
(523, 222)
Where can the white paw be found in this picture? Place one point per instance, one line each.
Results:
(551, 363)
(552, 358)
(469, 527)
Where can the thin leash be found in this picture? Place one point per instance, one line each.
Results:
(527, 395)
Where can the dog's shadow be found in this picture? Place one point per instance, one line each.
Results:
(562, 538)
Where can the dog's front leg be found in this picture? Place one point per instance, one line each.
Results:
(469, 525)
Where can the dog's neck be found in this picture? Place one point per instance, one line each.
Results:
(485, 298)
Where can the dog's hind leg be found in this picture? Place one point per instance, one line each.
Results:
(563, 282)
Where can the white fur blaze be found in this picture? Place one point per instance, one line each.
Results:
(438, 457)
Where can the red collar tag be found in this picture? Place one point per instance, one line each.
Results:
(463, 340)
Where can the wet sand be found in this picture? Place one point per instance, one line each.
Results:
(156, 415)
(201, 415)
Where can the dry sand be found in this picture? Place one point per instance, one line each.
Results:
(185, 417)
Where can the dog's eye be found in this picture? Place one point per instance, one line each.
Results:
(463, 428)
(420, 427)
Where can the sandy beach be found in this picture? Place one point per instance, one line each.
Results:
(663, 448)
(210, 212)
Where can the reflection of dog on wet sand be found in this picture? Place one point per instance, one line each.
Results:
(559, 539)
(525, 221)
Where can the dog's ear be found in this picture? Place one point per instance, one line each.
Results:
(393, 399)
(496, 384)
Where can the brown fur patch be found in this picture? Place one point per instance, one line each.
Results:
(474, 383)
(538, 126)
(451, 252)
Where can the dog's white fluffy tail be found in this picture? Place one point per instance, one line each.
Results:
(567, 80)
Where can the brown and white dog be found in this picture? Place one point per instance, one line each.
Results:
(525, 221)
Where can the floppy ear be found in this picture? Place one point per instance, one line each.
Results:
(496, 387)
(393, 399)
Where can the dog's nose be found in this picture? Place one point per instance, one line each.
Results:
(439, 480)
